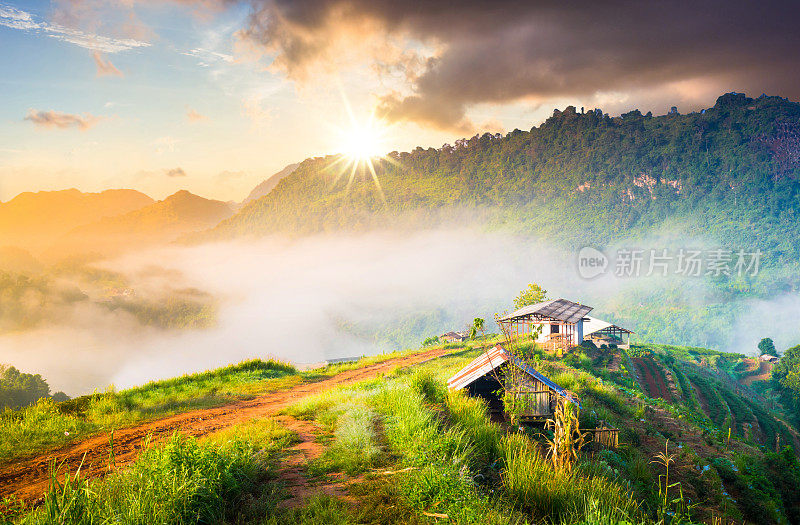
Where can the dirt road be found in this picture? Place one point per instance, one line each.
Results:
(28, 478)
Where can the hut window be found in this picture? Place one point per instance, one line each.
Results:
(554, 328)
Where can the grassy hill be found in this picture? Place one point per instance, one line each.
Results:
(400, 448)
(32, 221)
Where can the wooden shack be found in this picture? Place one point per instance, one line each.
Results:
(496, 372)
(556, 324)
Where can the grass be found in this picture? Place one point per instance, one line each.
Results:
(184, 481)
(449, 457)
(415, 453)
(559, 496)
(48, 425)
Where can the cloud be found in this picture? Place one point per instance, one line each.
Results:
(59, 120)
(194, 116)
(207, 57)
(176, 172)
(511, 50)
(104, 66)
(165, 144)
(22, 20)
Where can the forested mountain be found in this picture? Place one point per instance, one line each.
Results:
(34, 220)
(733, 168)
(269, 183)
(728, 176)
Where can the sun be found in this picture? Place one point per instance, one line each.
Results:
(362, 142)
(360, 148)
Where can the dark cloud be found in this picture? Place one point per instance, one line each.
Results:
(538, 50)
(176, 172)
(59, 120)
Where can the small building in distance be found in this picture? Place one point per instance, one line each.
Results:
(559, 321)
(770, 358)
(490, 374)
(454, 337)
(604, 333)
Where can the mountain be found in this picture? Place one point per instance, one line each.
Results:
(160, 222)
(733, 168)
(727, 176)
(268, 184)
(34, 220)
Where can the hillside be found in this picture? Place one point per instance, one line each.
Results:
(269, 183)
(733, 168)
(32, 221)
(727, 177)
(335, 445)
(158, 223)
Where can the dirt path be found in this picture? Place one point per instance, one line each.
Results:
(293, 466)
(762, 373)
(654, 383)
(28, 478)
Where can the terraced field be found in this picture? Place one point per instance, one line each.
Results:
(653, 378)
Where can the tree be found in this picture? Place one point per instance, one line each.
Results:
(787, 372)
(531, 295)
(477, 326)
(766, 346)
(18, 389)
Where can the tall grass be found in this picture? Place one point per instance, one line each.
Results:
(559, 496)
(440, 481)
(48, 424)
(183, 481)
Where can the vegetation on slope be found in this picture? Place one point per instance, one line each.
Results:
(406, 450)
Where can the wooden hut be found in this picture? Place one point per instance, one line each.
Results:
(496, 372)
(559, 323)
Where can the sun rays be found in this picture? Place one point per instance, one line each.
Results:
(360, 147)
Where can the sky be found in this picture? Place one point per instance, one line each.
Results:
(214, 96)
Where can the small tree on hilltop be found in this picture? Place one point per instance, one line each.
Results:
(531, 295)
(766, 346)
(477, 326)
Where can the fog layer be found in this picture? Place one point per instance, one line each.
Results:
(311, 299)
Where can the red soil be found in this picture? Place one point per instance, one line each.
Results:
(764, 370)
(28, 478)
(653, 382)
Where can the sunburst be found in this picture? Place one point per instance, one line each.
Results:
(360, 147)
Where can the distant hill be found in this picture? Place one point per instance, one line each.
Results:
(13, 259)
(160, 222)
(32, 221)
(268, 184)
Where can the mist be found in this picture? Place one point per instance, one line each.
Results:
(321, 297)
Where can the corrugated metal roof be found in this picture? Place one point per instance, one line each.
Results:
(592, 325)
(561, 309)
(478, 367)
(490, 360)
